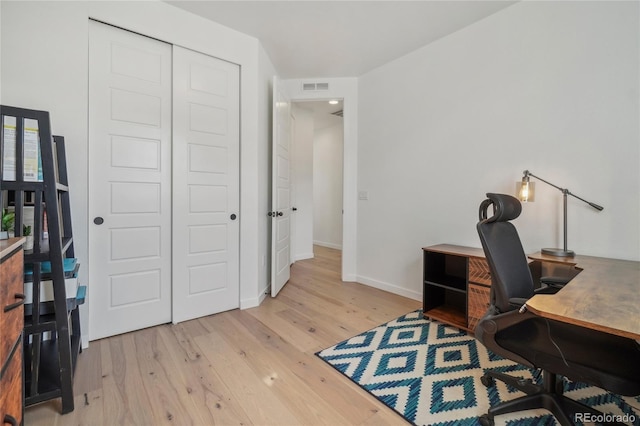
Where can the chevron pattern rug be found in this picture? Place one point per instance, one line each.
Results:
(429, 373)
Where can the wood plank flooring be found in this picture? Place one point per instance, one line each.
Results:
(251, 367)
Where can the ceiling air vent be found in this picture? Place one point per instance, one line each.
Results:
(315, 86)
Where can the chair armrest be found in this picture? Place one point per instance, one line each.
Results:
(558, 282)
(517, 302)
(547, 290)
(492, 323)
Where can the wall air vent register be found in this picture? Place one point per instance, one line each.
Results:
(315, 86)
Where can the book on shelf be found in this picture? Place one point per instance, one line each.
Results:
(32, 160)
(9, 148)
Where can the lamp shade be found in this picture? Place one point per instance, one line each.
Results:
(526, 190)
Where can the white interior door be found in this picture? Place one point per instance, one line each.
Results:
(206, 140)
(280, 191)
(293, 226)
(129, 181)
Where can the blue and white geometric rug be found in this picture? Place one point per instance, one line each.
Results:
(429, 373)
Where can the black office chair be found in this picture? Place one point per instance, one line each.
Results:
(558, 349)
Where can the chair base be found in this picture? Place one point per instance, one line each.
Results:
(548, 396)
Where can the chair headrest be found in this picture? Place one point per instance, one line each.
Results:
(505, 208)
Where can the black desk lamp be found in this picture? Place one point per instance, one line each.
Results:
(526, 193)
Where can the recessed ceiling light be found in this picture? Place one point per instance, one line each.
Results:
(334, 102)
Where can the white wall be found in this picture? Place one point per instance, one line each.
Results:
(302, 173)
(547, 86)
(327, 186)
(346, 89)
(48, 69)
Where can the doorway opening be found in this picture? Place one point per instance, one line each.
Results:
(317, 178)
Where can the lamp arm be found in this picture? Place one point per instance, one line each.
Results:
(594, 205)
(528, 173)
(564, 191)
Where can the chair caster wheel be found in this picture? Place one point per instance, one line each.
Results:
(485, 420)
(487, 380)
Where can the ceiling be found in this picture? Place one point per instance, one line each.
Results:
(311, 39)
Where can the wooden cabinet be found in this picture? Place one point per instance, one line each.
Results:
(11, 326)
(456, 285)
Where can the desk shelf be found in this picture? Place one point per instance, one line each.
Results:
(452, 314)
(455, 285)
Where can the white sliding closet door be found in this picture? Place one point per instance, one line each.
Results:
(206, 135)
(163, 182)
(129, 181)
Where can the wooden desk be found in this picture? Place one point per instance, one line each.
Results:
(604, 296)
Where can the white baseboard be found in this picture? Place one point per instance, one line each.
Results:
(328, 245)
(303, 256)
(391, 288)
(255, 301)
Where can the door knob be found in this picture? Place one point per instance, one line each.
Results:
(295, 209)
(98, 220)
(280, 213)
(233, 216)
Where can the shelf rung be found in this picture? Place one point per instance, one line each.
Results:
(39, 328)
(446, 287)
(41, 397)
(23, 186)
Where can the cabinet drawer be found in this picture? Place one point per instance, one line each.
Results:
(11, 387)
(11, 285)
(479, 271)
(477, 304)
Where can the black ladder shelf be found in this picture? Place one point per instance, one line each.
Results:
(52, 327)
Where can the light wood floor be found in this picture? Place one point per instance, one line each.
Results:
(251, 367)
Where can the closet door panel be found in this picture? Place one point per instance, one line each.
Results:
(205, 185)
(129, 181)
